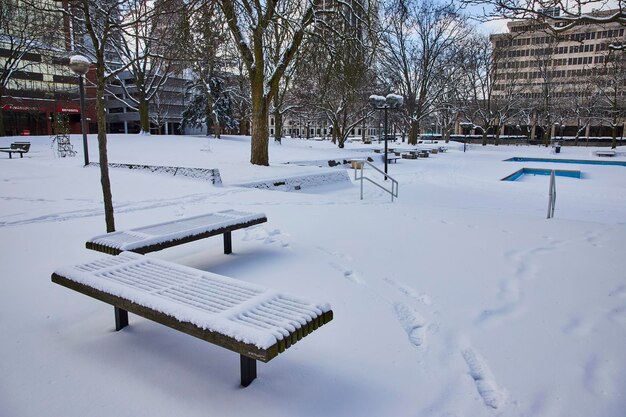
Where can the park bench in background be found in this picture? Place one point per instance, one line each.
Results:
(392, 158)
(164, 235)
(17, 147)
(605, 153)
(256, 322)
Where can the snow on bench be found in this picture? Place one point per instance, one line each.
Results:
(164, 235)
(605, 153)
(256, 322)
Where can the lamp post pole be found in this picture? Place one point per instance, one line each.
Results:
(80, 65)
(386, 161)
(465, 127)
(391, 101)
(83, 118)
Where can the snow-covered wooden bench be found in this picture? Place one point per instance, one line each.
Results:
(256, 322)
(164, 235)
(605, 153)
(17, 147)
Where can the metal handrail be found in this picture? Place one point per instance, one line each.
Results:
(551, 195)
(360, 163)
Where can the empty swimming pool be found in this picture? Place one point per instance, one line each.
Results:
(567, 161)
(542, 171)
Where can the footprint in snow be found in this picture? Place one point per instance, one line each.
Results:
(267, 236)
(334, 253)
(180, 211)
(414, 325)
(492, 395)
(409, 292)
(348, 273)
(579, 326)
(619, 292)
(617, 315)
(596, 239)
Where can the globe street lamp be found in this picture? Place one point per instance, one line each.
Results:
(80, 65)
(392, 101)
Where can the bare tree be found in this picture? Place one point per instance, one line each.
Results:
(240, 93)
(557, 15)
(98, 26)
(282, 101)
(340, 67)
(418, 40)
(207, 53)
(582, 105)
(544, 85)
(249, 23)
(148, 47)
(24, 31)
(611, 84)
(492, 87)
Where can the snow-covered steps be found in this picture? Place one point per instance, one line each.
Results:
(164, 235)
(256, 322)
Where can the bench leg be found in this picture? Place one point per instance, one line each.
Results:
(121, 318)
(248, 370)
(228, 243)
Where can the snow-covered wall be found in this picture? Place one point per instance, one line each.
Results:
(301, 181)
(207, 174)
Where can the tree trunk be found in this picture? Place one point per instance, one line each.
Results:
(614, 134)
(217, 129)
(363, 131)
(413, 132)
(339, 136)
(260, 125)
(102, 150)
(144, 115)
(546, 136)
(208, 114)
(484, 137)
(278, 125)
(2, 132)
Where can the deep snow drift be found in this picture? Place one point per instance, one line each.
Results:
(458, 299)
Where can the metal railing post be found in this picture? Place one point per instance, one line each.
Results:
(552, 195)
(360, 164)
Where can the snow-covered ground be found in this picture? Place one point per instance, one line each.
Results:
(458, 299)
